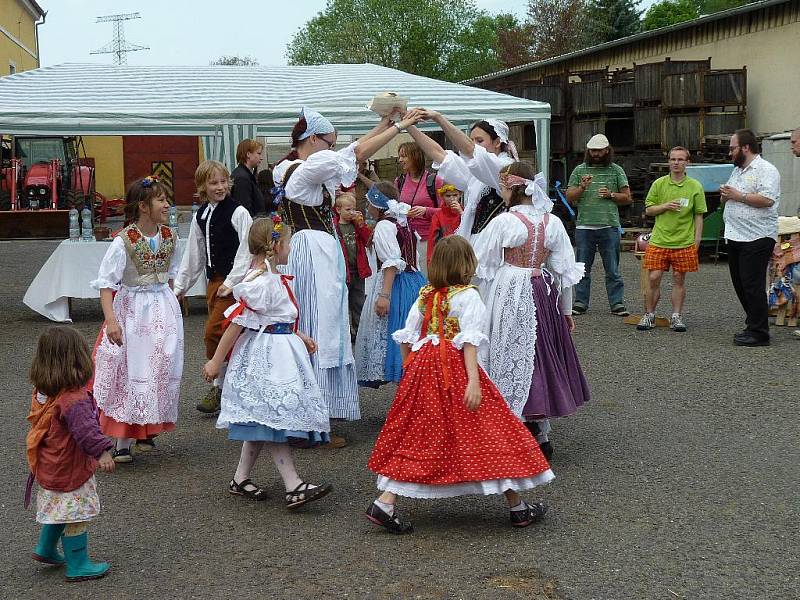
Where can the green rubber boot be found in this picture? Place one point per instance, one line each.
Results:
(76, 553)
(46, 550)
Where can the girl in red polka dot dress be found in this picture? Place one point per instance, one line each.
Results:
(449, 432)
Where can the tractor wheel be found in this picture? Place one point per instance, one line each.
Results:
(5, 200)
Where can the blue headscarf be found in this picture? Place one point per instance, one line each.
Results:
(377, 198)
(316, 124)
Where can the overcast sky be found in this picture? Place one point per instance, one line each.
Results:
(187, 32)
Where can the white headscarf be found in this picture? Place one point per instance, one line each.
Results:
(501, 129)
(316, 124)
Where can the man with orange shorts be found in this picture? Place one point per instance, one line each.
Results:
(678, 203)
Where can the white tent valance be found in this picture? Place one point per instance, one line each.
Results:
(228, 104)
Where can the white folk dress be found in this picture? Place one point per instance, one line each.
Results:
(476, 177)
(270, 391)
(317, 264)
(512, 326)
(138, 384)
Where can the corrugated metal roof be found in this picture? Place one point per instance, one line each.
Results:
(160, 100)
(629, 40)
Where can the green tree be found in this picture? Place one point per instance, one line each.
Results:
(707, 7)
(236, 61)
(557, 27)
(669, 12)
(613, 19)
(445, 39)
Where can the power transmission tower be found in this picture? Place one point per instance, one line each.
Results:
(118, 46)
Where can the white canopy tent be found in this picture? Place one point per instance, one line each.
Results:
(227, 104)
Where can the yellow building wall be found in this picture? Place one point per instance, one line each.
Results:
(109, 164)
(767, 42)
(773, 72)
(17, 38)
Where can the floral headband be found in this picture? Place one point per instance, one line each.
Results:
(509, 180)
(149, 181)
(448, 188)
(277, 227)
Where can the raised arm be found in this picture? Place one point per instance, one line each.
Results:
(459, 139)
(370, 144)
(428, 145)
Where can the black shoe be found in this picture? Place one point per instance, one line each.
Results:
(748, 339)
(530, 514)
(619, 310)
(122, 455)
(547, 450)
(578, 309)
(392, 523)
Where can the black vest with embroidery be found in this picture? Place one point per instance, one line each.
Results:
(489, 206)
(318, 218)
(223, 237)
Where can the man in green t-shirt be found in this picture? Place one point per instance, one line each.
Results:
(597, 187)
(678, 203)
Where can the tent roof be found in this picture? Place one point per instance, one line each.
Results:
(97, 99)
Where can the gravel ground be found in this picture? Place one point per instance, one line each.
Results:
(674, 482)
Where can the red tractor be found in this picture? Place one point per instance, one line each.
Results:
(45, 172)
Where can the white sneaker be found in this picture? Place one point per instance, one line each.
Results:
(676, 323)
(648, 321)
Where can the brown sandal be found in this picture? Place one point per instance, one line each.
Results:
(241, 489)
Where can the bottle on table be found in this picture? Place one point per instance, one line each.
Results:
(173, 217)
(195, 208)
(74, 226)
(87, 229)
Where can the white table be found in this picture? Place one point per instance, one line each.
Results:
(67, 274)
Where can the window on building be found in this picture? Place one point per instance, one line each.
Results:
(12, 67)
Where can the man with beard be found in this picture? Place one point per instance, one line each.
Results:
(751, 199)
(597, 187)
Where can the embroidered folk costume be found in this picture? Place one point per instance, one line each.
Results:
(527, 265)
(270, 392)
(378, 357)
(431, 445)
(137, 384)
(317, 264)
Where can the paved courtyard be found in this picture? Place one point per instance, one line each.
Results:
(678, 481)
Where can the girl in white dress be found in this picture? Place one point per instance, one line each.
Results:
(527, 265)
(395, 288)
(307, 181)
(475, 169)
(270, 394)
(139, 359)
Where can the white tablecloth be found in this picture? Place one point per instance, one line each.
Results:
(67, 274)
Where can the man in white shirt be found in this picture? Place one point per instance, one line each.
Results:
(751, 199)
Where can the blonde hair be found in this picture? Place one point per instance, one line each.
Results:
(205, 171)
(453, 262)
(245, 146)
(345, 196)
(62, 361)
(261, 241)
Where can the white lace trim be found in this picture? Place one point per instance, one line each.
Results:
(372, 338)
(481, 488)
(346, 157)
(398, 263)
(270, 381)
(476, 338)
(512, 336)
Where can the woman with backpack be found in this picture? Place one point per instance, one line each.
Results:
(417, 188)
